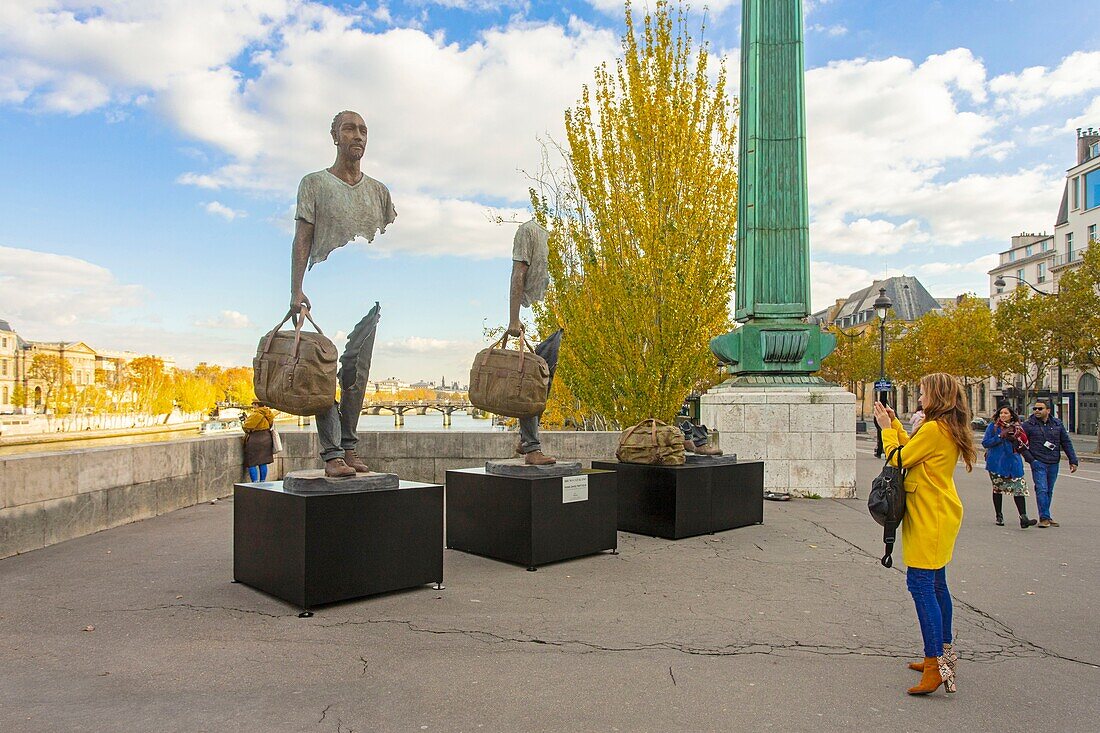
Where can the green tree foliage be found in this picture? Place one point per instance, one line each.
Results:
(642, 226)
(1076, 316)
(51, 371)
(193, 393)
(961, 341)
(19, 396)
(854, 362)
(1024, 323)
(149, 385)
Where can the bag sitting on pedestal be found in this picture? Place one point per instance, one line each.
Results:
(509, 382)
(652, 442)
(295, 371)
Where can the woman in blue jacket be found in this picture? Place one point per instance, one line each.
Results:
(1003, 439)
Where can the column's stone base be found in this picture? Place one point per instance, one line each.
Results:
(806, 435)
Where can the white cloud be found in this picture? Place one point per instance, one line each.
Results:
(982, 265)
(50, 296)
(1033, 88)
(886, 141)
(219, 209)
(833, 31)
(615, 7)
(830, 281)
(232, 320)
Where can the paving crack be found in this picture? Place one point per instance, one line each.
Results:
(987, 623)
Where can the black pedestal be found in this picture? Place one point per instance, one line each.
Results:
(683, 501)
(530, 521)
(310, 549)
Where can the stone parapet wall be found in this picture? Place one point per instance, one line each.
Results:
(46, 498)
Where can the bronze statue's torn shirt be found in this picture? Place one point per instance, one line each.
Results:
(531, 245)
(340, 212)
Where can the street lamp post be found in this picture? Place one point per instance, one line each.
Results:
(1000, 283)
(882, 309)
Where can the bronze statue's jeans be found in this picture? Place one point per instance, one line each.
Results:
(529, 426)
(336, 427)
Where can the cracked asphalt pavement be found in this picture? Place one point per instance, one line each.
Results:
(792, 625)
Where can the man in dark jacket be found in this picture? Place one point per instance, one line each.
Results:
(1047, 438)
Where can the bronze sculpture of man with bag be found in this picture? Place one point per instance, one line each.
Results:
(530, 278)
(336, 205)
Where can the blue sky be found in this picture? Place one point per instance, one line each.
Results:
(151, 153)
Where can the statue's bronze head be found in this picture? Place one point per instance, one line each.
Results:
(349, 134)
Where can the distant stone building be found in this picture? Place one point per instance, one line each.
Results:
(11, 347)
(85, 364)
(856, 313)
(1040, 260)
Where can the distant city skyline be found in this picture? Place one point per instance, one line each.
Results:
(152, 152)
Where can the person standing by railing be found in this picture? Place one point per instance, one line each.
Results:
(259, 443)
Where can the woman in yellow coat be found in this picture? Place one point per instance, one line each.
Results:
(933, 514)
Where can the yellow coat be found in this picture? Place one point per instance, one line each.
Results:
(933, 512)
(259, 418)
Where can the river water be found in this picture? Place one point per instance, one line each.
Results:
(460, 422)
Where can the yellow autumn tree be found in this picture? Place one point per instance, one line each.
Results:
(642, 223)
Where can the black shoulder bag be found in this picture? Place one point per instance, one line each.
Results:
(886, 503)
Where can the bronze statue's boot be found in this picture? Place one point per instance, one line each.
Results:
(352, 459)
(689, 447)
(708, 450)
(538, 458)
(336, 468)
(936, 673)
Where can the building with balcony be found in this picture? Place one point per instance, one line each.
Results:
(1040, 260)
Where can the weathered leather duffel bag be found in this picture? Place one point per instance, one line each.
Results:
(509, 382)
(295, 371)
(652, 441)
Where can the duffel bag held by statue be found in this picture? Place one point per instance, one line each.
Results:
(509, 382)
(653, 442)
(295, 371)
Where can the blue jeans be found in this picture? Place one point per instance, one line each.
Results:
(1044, 475)
(933, 601)
(258, 473)
(336, 426)
(529, 426)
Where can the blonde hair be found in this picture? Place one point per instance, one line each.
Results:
(945, 402)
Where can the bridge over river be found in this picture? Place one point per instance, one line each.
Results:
(421, 407)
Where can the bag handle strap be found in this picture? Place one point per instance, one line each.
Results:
(890, 529)
(890, 457)
(298, 318)
(502, 343)
(889, 536)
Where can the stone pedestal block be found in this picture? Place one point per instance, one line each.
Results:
(805, 434)
(531, 521)
(311, 549)
(684, 501)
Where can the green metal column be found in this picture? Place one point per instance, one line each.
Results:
(773, 243)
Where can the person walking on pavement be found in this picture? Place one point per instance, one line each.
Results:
(933, 514)
(1047, 439)
(1004, 439)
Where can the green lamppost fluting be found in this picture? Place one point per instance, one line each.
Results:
(773, 344)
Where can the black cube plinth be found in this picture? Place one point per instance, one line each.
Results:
(530, 521)
(311, 549)
(683, 501)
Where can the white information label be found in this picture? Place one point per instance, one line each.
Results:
(574, 488)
